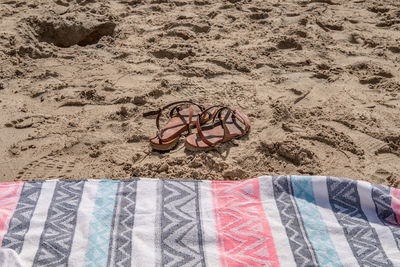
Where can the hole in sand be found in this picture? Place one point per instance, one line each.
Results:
(66, 34)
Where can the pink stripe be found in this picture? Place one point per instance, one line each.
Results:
(9, 196)
(244, 234)
(396, 202)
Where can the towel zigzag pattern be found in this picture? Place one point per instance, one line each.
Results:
(362, 238)
(301, 247)
(121, 243)
(20, 222)
(382, 199)
(180, 229)
(60, 224)
(242, 229)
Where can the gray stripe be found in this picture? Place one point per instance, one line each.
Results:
(121, 239)
(20, 222)
(56, 239)
(157, 234)
(362, 238)
(117, 205)
(303, 252)
(383, 204)
(198, 215)
(180, 225)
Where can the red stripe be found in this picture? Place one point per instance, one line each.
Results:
(396, 202)
(244, 234)
(9, 196)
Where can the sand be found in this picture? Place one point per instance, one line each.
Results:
(319, 80)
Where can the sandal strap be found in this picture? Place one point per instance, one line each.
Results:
(218, 114)
(223, 120)
(201, 135)
(190, 120)
(188, 128)
(245, 121)
(200, 132)
(155, 112)
(178, 105)
(235, 115)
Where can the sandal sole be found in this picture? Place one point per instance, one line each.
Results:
(196, 149)
(166, 147)
(169, 146)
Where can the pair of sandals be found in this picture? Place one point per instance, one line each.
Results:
(226, 125)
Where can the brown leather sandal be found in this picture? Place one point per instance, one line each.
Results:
(181, 119)
(233, 124)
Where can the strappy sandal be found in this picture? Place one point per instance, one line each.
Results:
(181, 119)
(233, 124)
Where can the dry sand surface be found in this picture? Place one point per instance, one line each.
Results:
(318, 78)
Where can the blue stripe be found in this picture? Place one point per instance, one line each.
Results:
(100, 225)
(313, 222)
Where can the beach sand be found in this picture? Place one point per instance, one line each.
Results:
(319, 80)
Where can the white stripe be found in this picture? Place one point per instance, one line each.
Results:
(84, 216)
(143, 233)
(208, 226)
(278, 231)
(384, 233)
(9, 258)
(335, 230)
(39, 216)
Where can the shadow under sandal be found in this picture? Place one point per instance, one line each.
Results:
(232, 124)
(183, 116)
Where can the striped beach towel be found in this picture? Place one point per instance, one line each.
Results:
(266, 221)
